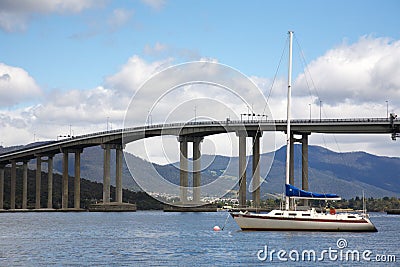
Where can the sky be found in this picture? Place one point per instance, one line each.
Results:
(74, 66)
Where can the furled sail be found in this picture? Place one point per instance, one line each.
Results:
(294, 192)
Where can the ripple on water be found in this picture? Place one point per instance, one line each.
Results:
(161, 239)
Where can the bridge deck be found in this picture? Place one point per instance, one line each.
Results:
(206, 128)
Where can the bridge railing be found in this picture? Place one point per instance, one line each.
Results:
(178, 124)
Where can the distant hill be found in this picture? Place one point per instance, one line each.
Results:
(91, 192)
(346, 174)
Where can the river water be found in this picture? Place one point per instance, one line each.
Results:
(155, 238)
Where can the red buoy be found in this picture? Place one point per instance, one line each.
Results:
(216, 228)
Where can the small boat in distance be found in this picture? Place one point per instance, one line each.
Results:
(290, 219)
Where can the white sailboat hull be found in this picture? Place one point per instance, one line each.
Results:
(312, 222)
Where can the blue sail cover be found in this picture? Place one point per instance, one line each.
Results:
(292, 191)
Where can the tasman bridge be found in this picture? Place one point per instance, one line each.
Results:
(193, 132)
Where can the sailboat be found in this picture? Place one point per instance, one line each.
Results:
(309, 219)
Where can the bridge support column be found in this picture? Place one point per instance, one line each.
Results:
(183, 169)
(38, 181)
(106, 174)
(304, 165)
(242, 171)
(13, 183)
(118, 173)
(77, 179)
(304, 162)
(65, 181)
(196, 169)
(50, 182)
(256, 171)
(2, 186)
(64, 201)
(25, 185)
(291, 169)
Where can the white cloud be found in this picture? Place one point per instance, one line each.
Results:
(364, 72)
(16, 85)
(352, 81)
(15, 14)
(81, 107)
(119, 17)
(15, 127)
(133, 74)
(85, 110)
(155, 4)
(156, 49)
(364, 65)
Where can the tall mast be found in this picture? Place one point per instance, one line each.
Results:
(288, 132)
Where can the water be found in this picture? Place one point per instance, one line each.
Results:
(154, 238)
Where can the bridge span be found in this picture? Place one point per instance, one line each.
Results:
(193, 132)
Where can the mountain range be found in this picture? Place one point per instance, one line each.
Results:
(345, 174)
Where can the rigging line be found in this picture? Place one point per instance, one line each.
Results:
(277, 69)
(226, 220)
(304, 65)
(276, 74)
(316, 91)
(337, 144)
(270, 91)
(307, 70)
